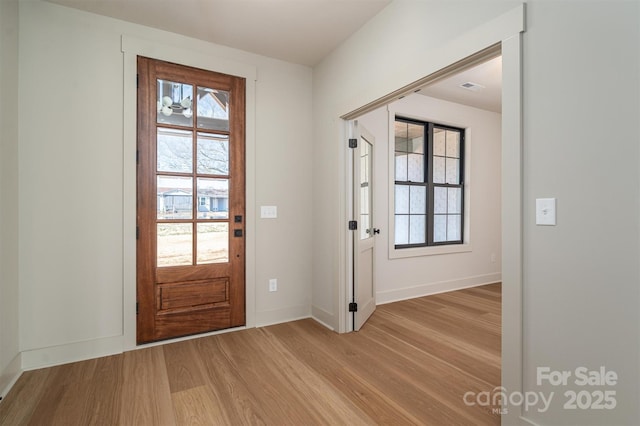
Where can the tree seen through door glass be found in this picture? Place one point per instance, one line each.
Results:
(175, 150)
(213, 154)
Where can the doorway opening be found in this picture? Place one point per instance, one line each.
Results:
(510, 49)
(411, 203)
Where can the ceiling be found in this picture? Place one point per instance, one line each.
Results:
(298, 31)
(487, 74)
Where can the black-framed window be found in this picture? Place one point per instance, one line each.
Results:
(429, 184)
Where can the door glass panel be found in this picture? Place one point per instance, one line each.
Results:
(213, 154)
(175, 244)
(365, 189)
(213, 109)
(365, 226)
(175, 103)
(175, 151)
(174, 197)
(213, 198)
(213, 243)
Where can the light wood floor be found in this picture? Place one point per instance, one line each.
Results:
(410, 364)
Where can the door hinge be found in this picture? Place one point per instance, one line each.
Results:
(353, 143)
(137, 81)
(137, 308)
(137, 156)
(353, 225)
(137, 232)
(353, 307)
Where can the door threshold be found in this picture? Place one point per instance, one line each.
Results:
(190, 337)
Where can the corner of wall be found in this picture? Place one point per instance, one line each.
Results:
(323, 317)
(10, 358)
(10, 375)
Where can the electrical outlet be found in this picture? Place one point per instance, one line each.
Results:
(493, 257)
(273, 284)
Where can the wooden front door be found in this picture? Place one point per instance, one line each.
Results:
(190, 201)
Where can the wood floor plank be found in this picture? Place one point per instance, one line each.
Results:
(310, 386)
(20, 403)
(322, 360)
(381, 369)
(410, 364)
(145, 397)
(198, 406)
(230, 388)
(255, 366)
(184, 368)
(87, 396)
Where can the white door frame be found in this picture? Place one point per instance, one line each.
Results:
(506, 31)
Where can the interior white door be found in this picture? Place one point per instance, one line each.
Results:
(364, 290)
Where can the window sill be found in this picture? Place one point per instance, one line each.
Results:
(428, 251)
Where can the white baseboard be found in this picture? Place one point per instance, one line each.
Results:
(277, 316)
(323, 317)
(396, 295)
(71, 352)
(10, 375)
(80, 351)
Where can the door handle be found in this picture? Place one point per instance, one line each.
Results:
(376, 231)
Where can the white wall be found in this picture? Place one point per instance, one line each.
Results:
(72, 185)
(581, 281)
(9, 334)
(402, 278)
(581, 108)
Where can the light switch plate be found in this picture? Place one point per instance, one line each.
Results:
(268, 212)
(546, 211)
